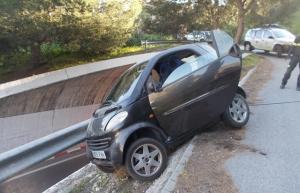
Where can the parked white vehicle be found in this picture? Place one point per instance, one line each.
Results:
(269, 39)
(197, 36)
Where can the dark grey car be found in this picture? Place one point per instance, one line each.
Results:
(160, 103)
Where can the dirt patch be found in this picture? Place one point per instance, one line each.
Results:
(258, 79)
(110, 183)
(205, 173)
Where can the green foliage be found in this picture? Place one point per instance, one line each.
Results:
(294, 23)
(49, 28)
(136, 39)
(52, 50)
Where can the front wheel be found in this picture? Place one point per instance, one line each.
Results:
(237, 113)
(146, 159)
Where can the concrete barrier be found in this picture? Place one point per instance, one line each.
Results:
(36, 81)
(18, 130)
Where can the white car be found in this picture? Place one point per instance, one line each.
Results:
(269, 39)
(196, 36)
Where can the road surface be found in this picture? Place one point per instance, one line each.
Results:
(274, 130)
(44, 175)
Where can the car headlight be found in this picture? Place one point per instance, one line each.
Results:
(116, 120)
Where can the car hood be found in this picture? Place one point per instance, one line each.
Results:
(100, 119)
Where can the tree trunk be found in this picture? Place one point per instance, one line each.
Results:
(35, 54)
(240, 28)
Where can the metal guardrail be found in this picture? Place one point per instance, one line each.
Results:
(18, 159)
(145, 43)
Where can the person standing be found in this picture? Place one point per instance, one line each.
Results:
(295, 59)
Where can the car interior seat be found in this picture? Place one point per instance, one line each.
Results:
(167, 66)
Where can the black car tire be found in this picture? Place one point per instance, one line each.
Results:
(229, 117)
(129, 160)
(279, 50)
(248, 47)
(106, 169)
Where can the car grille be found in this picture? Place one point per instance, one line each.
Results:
(98, 143)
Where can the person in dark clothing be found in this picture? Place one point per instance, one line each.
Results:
(295, 59)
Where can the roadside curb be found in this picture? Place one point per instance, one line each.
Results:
(67, 184)
(247, 76)
(167, 181)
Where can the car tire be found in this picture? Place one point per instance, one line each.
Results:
(146, 159)
(266, 51)
(279, 50)
(106, 169)
(248, 46)
(237, 113)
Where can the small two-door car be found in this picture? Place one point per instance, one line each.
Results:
(158, 104)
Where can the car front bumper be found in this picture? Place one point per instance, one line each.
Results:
(114, 157)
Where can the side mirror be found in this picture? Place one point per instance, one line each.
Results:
(271, 37)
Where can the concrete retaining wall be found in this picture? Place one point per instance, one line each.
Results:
(36, 81)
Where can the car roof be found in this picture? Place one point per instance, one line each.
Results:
(264, 28)
(174, 49)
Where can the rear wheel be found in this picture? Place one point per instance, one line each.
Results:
(146, 159)
(279, 50)
(248, 46)
(237, 113)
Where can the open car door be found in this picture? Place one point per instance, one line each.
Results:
(199, 88)
(227, 74)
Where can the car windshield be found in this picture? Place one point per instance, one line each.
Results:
(281, 33)
(126, 84)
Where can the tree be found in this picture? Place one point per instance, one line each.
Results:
(32, 23)
(166, 17)
(243, 7)
(76, 25)
(109, 27)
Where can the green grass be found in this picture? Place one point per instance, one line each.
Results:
(74, 60)
(295, 24)
(250, 62)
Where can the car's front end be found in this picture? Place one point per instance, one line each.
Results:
(101, 135)
(105, 132)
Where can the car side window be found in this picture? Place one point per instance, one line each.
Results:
(258, 34)
(267, 34)
(252, 33)
(190, 64)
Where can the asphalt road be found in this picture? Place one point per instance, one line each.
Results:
(44, 175)
(274, 130)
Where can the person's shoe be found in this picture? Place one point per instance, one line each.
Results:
(282, 86)
(298, 88)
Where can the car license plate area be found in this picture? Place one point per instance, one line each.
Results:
(99, 154)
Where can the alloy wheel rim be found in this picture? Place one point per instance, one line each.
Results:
(238, 110)
(146, 160)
